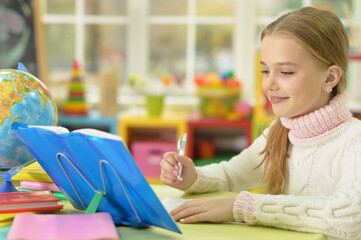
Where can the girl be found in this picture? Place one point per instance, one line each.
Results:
(309, 160)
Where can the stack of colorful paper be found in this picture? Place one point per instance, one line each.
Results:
(34, 178)
(12, 203)
(76, 103)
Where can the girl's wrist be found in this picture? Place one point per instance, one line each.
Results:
(244, 208)
(200, 181)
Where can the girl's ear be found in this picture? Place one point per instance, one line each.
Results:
(334, 75)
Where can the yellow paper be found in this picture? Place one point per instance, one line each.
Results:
(33, 172)
(6, 223)
(7, 216)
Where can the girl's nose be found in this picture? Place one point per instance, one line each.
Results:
(269, 82)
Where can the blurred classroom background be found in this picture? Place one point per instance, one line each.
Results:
(150, 70)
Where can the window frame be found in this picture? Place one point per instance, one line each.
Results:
(137, 21)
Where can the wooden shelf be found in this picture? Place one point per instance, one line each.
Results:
(201, 128)
(134, 127)
(148, 138)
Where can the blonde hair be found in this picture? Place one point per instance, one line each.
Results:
(323, 35)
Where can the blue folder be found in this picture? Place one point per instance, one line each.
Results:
(81, 165)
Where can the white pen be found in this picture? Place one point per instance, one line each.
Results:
(181, 145)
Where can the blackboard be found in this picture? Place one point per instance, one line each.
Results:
(21, 36)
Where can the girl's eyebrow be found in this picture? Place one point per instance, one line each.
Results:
(281, 63)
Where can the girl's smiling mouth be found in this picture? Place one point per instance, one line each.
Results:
(274, 99)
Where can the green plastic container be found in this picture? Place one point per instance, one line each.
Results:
(154, 105)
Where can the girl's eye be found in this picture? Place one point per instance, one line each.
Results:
(264, 72)
(287, 73)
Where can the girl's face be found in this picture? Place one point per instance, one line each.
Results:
(292, 79)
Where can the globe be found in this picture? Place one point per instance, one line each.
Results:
(24, 99)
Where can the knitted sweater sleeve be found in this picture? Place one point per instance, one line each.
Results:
(237, 174)
(338, 215)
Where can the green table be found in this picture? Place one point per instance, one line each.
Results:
(197, 231)
(211, 231)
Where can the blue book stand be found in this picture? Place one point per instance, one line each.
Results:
(83, 166)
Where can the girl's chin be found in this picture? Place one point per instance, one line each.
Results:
(282, 114)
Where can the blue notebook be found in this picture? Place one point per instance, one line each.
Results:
(83, 163)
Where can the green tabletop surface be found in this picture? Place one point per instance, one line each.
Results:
(211, 231)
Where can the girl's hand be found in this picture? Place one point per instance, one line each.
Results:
(169, 171)
(205, 210)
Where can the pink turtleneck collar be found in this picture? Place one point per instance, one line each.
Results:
(320, 123)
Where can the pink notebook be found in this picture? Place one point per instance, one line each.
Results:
(58, 226)
(37, 185)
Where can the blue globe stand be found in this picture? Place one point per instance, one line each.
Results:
(7, 184)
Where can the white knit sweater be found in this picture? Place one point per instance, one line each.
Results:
(323, 192)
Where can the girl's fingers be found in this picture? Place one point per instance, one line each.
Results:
(170, 170)
(171, 175)
(169, 167)
(187, 213)
(164, 164)
(169, 181)
(206, 209)
(185, 206)
(185, 161)
(201, 217)
(173, 159)
(170, 158)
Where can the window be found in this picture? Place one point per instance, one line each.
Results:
(190, 37)
(158, 37)
(150, 37)
(93, 33)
